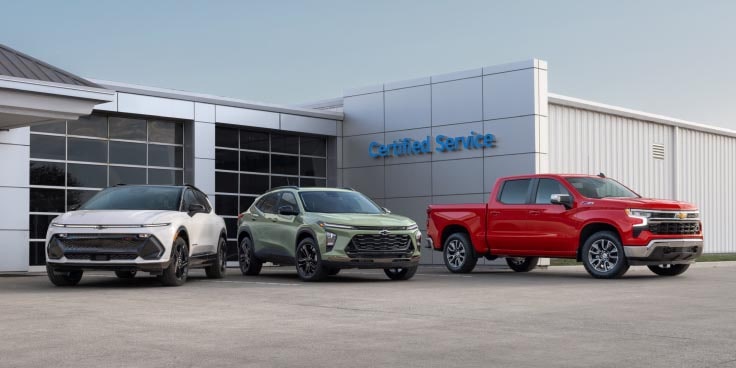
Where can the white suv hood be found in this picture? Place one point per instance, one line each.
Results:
(115, 217)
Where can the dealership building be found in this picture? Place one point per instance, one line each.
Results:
(407, 144)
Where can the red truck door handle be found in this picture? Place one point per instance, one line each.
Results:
(534, 213)
(495, 213)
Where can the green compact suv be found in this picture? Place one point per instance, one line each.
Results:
(323, 230)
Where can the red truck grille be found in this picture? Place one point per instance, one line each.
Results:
(680, 228)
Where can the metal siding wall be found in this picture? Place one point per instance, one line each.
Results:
(583, 141)
(707, 177)
(588, 142)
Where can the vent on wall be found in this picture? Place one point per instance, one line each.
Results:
(658, 151)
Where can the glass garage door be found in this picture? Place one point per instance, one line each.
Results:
(71, 161)
(249, 162)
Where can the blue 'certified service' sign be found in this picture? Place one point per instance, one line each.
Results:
(408, 146)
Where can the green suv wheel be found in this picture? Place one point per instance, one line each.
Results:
(309, 261)
(400, 273)
(249, 264)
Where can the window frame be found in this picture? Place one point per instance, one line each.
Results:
(535, 192)
(529, 192)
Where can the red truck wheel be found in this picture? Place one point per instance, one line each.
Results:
(669, 269)
(603, 256)
(459, 254)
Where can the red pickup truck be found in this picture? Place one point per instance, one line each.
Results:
(593, 219)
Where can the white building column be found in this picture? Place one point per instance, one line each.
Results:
(204, 148)
(15, 154)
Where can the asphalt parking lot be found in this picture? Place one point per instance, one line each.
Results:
(558, 317)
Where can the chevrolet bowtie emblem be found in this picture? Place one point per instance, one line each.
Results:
(384, 232)
(682, 215)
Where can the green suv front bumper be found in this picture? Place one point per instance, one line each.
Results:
(370, 247)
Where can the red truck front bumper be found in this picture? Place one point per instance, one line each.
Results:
(669, 251)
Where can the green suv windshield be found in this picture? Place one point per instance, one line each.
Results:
(330, 201)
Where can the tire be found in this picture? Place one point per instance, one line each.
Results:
(178, 270)
(401, 273)
(603, 256)
(126, 274)
(309, 261)
(249, 264)
(459, 254)
(333, 271)
(522, 264)
(218, 269)
(70, 278)
(669, 269)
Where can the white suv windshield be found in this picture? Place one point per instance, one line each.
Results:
(135, 198)
(338, 202)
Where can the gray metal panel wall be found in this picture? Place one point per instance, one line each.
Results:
(504, 101)
(697, 166)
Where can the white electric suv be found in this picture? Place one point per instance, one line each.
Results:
(163, 230)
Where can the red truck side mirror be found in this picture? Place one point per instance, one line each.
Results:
(563, 199)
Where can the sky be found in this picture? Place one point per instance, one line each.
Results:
(673, 58)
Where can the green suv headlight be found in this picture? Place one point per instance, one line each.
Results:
(331, 240)
(412, 227)
(334, 226)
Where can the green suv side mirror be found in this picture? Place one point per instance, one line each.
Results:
(288, 211)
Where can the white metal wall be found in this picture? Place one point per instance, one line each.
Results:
(589, 142)
(707, 176)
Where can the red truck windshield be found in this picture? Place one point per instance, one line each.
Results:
(601, 188)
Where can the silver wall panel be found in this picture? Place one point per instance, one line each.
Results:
(509, 94)
(369, 180)
(459, 101)
(16, 136)
(247, 117)
(414, 208)
(355, 150)
(14, 166)
(513, 136)
(155, 106)
(305, 124)
(457, 176)
(363, 114)
(204, 112)
(495, 167)
(204, 176)
(408, 108)
(204, 140)
(409, 180)
(14, 250)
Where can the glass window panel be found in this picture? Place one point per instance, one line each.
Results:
(165, 177)
(127, 175)
(253, 161)
(36, 255)
(127, 153)
(309, 182)
(288, 165)
(311, 166)
(76, 198)
(165, 132)
(231, 225)
(226, 182)
(284, 143)
(313, 146)
(88, 176)
(253, 140)
(168, 156)
(124, 128)
(48, 147)
(253, 184)
(92, 150)
(58, 127)
(226, 160)
(89, 126)
(47, 173)
(226, 205)
(38, 225)
(245, 203)
(280, 181)
(226, 137)
(47, 200)
(515, 191)
(232, 250)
